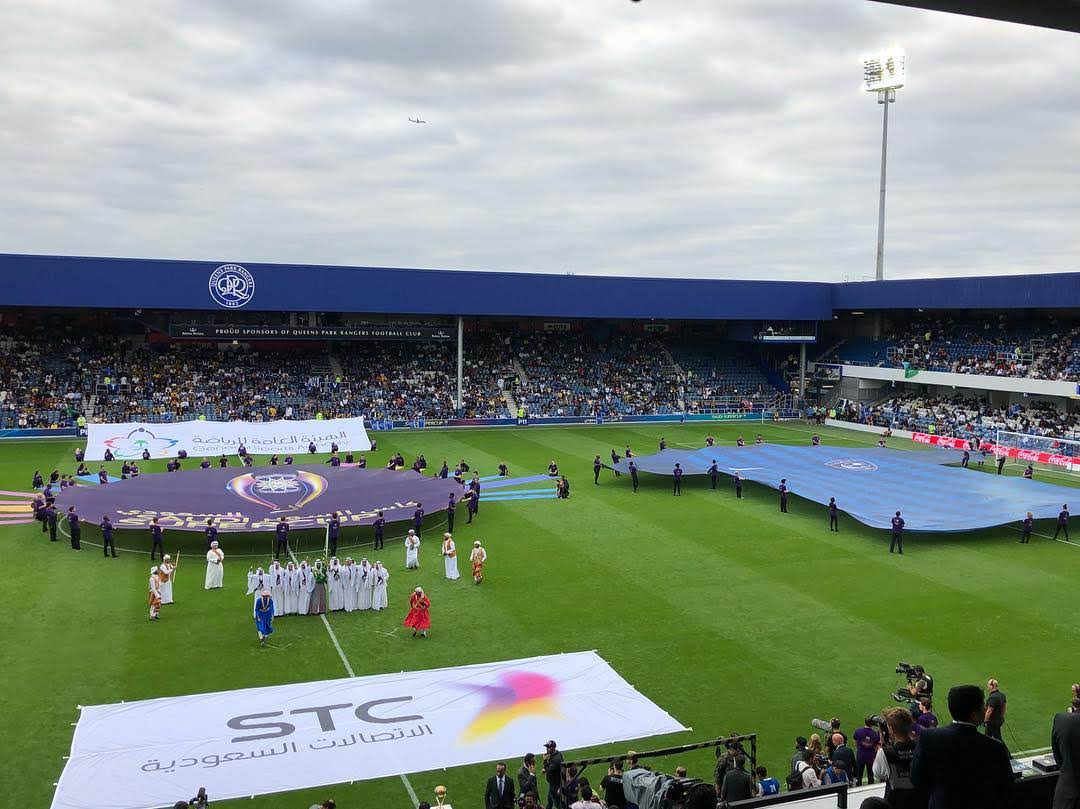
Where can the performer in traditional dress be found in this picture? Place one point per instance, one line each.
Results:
(264, 616)
(166, 572)
(317, 602)
(378, 595)
(336, 591)
(365, 582)
(449, 552)
(155, 594)
(419, 617)
(305, 583)
(478, 557)
(348, 581)
(292, 592)
(257, 581)
(412, 551)
(277, 587)
(215, 568)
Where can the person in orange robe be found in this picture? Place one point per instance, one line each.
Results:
(419, 617)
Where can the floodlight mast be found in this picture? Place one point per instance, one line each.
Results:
(884, 74)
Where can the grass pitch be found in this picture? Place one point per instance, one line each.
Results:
(728, 614)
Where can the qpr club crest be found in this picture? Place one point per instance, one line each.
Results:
(854, 464)
(231, 286)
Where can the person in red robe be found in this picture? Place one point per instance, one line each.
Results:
(419, 617)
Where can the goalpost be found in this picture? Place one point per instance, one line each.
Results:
(1041, 451)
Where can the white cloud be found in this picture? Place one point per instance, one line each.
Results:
(665, 137)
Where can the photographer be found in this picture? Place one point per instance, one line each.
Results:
(921, 685)
(893, 762)
(613, 786)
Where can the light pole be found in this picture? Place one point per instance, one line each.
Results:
(883, 73)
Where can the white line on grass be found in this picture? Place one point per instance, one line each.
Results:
(1044, 536)
(348, 667)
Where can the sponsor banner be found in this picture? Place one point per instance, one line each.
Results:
(940, 440)
(1030, 455)
(39, 432)
(260, 741)
(205, 438)
(200, 331)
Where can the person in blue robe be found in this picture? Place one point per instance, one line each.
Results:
(264, 616)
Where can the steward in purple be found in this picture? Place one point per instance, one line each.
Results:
(362, 463)
(333, 530)
(107, 537)
(451, 509)
(145, 455)
(1063, 522)
(211, 533)
(75, 529)
(288, 460)
(1025, 530)
(205, 464)
(109, 455)
(714, 473)
(897, 534)
(444, 473)
(102, 475)
(282, 531)
(634, 475)
(311, 448)
(223, 462)
(473, 506)
(597, 465)
(125, 470)
(379, 525)
(155, 533)
(418, 518)
(834, 520)
(274, 460)
(334, 460)
(783, 495)
(677, 483)
(134, 469)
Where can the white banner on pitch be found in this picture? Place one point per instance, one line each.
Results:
(205, 438)
(256, 741)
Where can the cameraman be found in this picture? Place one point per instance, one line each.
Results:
(893, 762)
(922, 685)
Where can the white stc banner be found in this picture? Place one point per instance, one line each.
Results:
(207, 438)
(256, 741)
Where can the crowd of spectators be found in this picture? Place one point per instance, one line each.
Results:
(990, 348)
(963, 417)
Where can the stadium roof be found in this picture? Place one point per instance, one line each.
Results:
(1063, 15)
(127, 283)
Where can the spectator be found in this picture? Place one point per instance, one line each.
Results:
(867, 740)
(499, 792)
(553, 763)
(893, 762)
(800, 749)
(1065, 742)
(807, 775)
(526, 776)
(612, 784)
(956, 765)
(737, 785)
(586, 801)
(834, 773)
(842, 754)
(994, 717)
(765, 784)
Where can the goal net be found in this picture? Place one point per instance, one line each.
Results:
(1062, 454)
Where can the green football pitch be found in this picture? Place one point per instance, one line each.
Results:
(726, 613)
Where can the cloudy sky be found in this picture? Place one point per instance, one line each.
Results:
(668, 137)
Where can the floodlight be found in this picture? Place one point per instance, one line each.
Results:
(884, 71)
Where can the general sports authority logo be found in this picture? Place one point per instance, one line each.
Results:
(231, 286)
(854, 464)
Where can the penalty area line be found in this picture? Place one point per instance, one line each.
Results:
(348, 668)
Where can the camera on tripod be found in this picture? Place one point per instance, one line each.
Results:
(912, 674)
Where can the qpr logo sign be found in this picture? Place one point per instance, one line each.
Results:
(853, 464)
(231, 286)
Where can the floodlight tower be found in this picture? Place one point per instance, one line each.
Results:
(883, 73)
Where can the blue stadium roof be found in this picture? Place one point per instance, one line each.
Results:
(131, 283)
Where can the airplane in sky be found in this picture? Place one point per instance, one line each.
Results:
(417, 120)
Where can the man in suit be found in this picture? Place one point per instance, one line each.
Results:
(499, 793)
(1065, 740)
(957, 765)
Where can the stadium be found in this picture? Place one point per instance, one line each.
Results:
(694, 492)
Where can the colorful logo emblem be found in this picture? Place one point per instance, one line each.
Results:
(134, 443)
(231, 286)
(519, 694)
(853, 464)
(288, 491)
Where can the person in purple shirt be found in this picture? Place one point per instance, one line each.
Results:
(288, 460)
(597, 465)
(628, 454)
(79, 455)
(134, 472)
(333, 531)
(714, 474)
(54, 476)
(48, 493)
(676, 474)
(334, 461)
(709, 441)
(282, 531)
(333, 446)
(416, 467)
(738, 486)
(125, 470)
(444, 472)
(740, 441)
(74, 528)
(362, 463)
(867, 740)
(211, 533)
(614, 457)
(634, 475)
(418, 518)
(146, 455)
(783, 495)
(504, 470)
(374, 444)
(107, 537)
(109, 455)
(474, 487)
(1063, 522)
(473, 504)
(311, 448)
(223, 462)
(156, 535)
(274, 459)
(451, 510)
(248, 461)
(182, 454)
(379, 525)
(422, 461)
(1029, 473)
(170, 467)
(897, 534)
(965, 459)
(1025, 531)
(815, 440)
(82, 470)
(348, 458)
(39, 481)
(663, 444)
(50, 520)
(241, 450)
(102, 475)
(205, 464)
(834, 516)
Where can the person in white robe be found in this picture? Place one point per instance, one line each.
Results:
(365, 582)
(292, 591)
(336, 596)
(305, 583)
(215, 567)
(154, 594)
(412, 551)
(378, 595)
(258, 581)
(449, 552)
(166, 572)
(276, 575)
(348, 580)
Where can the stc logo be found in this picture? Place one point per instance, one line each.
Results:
(231, 286)
(324, 714)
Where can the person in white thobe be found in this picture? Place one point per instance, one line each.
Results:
(365, 581)
(277, 587)
(257, 581)
(335, 599)
(215, 567)
(378, 595)
(166, 570)
(449, 552)
(292, 592)
(305, 583)
(412, 551)
(348, 576)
